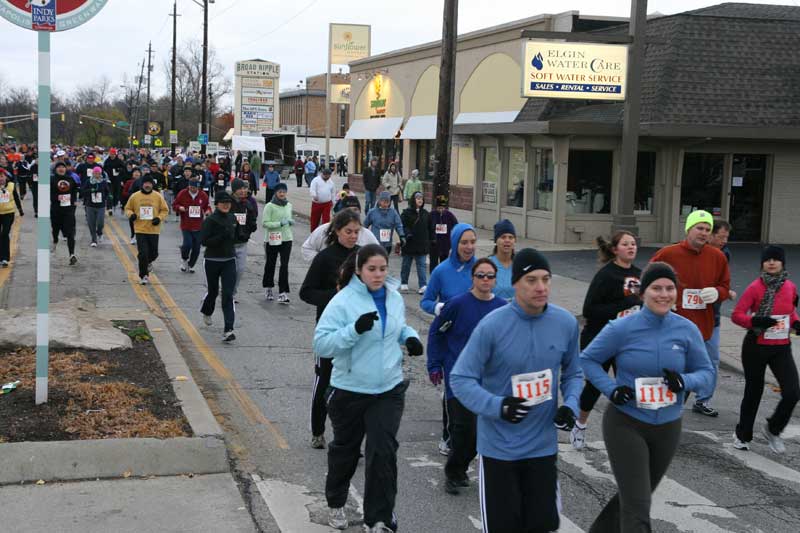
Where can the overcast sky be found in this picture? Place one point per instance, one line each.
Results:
(291, 33)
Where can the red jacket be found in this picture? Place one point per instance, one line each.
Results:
(784, 305)
(697, 270)
(191, 219)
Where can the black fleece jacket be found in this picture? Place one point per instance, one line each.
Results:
(609, 294)
(319, 287)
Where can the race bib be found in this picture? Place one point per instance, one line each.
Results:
(241, 218)
(88, 172)
(64, 200)
(194, 211)
(146, 212)
(385, 235)
(653, 393)
(97, 197)
(692, 300)
(628, 311)
(275, 238)
(35, 177)
(535, 387)
(441, 229)
(779, 331)
(116, 172)
(220, 183)
(5, 197)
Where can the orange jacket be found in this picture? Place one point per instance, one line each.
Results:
(697, 270)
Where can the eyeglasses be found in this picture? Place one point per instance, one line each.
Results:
(484, 275)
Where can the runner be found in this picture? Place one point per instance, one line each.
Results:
(63, 199)
(271, 180)
(310, 171)
(219, 236)
(9, 198)
(448, 334)
(146, 208)
(127, 191)
(507, 374)
(413, 185)
(299, 167)
(391, 183)
(277, 221)
(384, 221)
(372, 180)
(316, 240)
(97, 195)
(319, 286)
(362, 329)
(248, 176)
(613, 293)
(192, 206)
(322, 192)
(245, 209)
(768, 311)
(417, 226)
(703, 278)
(115, 171)
(442, 222)
(505, 237)
(660, 357)
(220, 183)
(719, 239)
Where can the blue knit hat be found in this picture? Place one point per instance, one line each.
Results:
(502, 227)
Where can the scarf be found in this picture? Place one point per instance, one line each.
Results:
(278, 201)
(774, 282)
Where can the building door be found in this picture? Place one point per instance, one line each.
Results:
(748, 178)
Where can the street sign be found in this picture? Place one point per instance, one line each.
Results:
(49, 15)
(173, 136)
(202, 138)
(158, 142)
(136, 142)
(147, 140)
(43, 15)
(194, 146)
(212, 148)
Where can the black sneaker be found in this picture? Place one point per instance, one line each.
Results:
(451, 486)
(72, 260)
(228, 336)
(703, 409)
(463, 482)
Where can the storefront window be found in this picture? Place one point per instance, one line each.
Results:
(491, 175)
(645, 183)
(386, 150)
(543, 180)
(424, 160)
(701, 183)
(516, 177)
(589, 181)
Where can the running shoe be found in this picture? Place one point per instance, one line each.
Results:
(379, 527)
(207, 320)
(228, 336)
(150, 268)
(704, 409)
(337, 518)
(144, 280)
(422, 289)
(578, 436)
(268, 295)
(184, 265)
(283, 298)
(73, 260)
(133, 239)
(100, 239)
(93, 245)
(4, 263)
(451, 486)
(740, 445)
(404, 288)
(775, 441)
(191, 270)
(444, 447)
(318, 442)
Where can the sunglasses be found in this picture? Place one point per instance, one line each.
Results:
(482, 275)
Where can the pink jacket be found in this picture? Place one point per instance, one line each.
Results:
(784, 304)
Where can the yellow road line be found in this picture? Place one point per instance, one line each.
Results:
(6, 272)
(248, 406)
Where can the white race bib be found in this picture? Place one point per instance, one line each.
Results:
(194, 211)
(97, 197)
(241, 218)
(385, 235)
(35, 177)
(653, 393)
(64, 200)
(88, 172)
(692, 299)
(275, 238)
(536, 387)
(146, 212)
(779, 331)
(220, 183)
(441, 229)
(5, 197)
(628, 311)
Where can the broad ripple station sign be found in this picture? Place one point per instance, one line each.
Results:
(574, 70)
(49, 15)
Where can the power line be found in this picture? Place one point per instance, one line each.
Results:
(270, 32)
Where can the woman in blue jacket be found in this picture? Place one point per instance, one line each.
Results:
(362, 329)
(660, 356)
(452, 276)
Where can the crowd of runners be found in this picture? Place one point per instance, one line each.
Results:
(514, 367)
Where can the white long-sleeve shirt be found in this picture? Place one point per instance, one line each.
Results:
(316, 241)
(322, 191)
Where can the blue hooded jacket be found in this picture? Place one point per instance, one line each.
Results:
(452, 277)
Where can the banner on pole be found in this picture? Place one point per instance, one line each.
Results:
(173, 136)
(340, 93)
(348, 42)
(49, 15)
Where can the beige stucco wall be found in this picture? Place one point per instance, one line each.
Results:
(466, 165)
(784, 215)
(483, 93)
(426, 93)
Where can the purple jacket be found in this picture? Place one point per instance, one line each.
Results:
(442, 239)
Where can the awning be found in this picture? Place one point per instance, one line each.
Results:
(242, 142)
(493, 117)
(420, 127)
(228, 136)
(374, 128)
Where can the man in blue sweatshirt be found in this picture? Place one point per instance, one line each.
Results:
(507, 375)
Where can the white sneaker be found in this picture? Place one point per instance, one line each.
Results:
(775, 441)
(144, 281)
(578, 436)
(93, 245)
(379, 527)
(133, 240)
(283, 298)
(444, 448)
(422, 289)
(337, 518)
(191, 270)
(184, 265)
(740, 445)
(207, 320)
(403, 288)
(228, 336)
(268, 296)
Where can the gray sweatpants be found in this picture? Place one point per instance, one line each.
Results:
(96, 219)
(241, 263)
(640, 454)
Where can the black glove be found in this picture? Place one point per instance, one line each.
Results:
(763, 322)
(414, 346)
(365, 322)
(796, 327)
(402, 241)
(673, 380)
(622, 395)
(132, 218)
(514, 409)
(564, 419)
(156, 221)
(21, 214)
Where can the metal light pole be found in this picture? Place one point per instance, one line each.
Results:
(175, 16)
(204, 89)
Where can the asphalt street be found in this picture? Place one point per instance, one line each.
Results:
(260, 386)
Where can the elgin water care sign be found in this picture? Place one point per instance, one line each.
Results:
(574, 70)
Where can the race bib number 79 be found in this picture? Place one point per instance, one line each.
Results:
(535, 387)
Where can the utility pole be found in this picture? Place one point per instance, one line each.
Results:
(149, 70)
(204, 89)
(138, 98)
(444, 116)
(174, 16)
(210, 108)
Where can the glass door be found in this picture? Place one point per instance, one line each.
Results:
(747, 196)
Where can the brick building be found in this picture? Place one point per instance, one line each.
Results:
(303, 109)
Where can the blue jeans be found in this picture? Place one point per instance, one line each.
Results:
(369, 200)
(405, 269)
(712, 347)
(190, 249)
